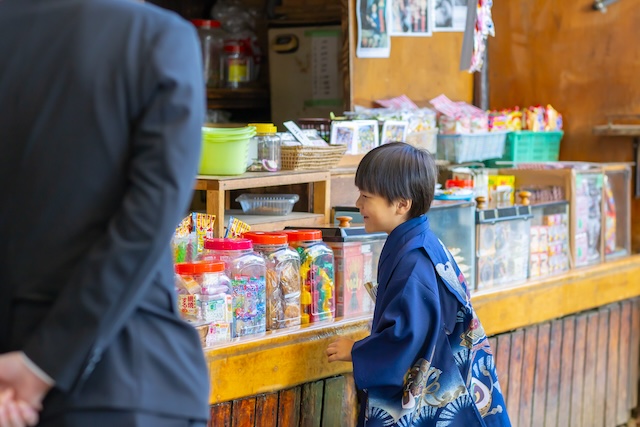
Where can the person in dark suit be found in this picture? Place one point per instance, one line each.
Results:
(101, 108)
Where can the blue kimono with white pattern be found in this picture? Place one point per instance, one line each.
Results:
(427, 361)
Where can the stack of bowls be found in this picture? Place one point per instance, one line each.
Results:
(225, 150)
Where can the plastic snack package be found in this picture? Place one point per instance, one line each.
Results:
(203, 226)
(236, 228)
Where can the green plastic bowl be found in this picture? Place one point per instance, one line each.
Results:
(225, 154)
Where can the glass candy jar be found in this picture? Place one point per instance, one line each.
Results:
(283, 278)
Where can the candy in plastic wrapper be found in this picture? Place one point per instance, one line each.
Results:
(535, 118)
(187, 285)
(553, 119)
(204, 227)
(185, 248)
(218, 332)
(236, 228)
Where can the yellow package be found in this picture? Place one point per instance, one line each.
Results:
(496, 181)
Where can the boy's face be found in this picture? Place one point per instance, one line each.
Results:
(379, 214)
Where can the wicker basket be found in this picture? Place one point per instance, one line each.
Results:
(302, 157)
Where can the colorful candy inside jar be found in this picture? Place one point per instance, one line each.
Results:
(317, 297)
(247, 271)
(204, 298)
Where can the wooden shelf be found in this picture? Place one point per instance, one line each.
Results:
(250, 97)
(276, 222)
(216, 188)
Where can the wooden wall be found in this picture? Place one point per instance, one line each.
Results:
(581, 370)
(583, 62)
(419, 67)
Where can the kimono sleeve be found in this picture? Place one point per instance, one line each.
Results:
(407, 330)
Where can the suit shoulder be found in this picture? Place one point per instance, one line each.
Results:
(136, 12)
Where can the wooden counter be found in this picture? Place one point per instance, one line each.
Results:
(281, 360)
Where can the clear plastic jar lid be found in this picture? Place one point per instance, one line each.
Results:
(228, 244)
(264, 238)
(301, 235)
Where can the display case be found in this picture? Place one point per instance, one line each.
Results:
(502, 245)
(588, 218)
(581, 184)
(549, 248)
(616, 208)
(356, 256)
(454, 222)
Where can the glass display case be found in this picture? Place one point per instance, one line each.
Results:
(587, 197)
(502, 245)
(581, 184)
(616, 209)
(549, 248)
(454, 222)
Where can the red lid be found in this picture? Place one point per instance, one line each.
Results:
(208, 266)
(264, 238)
(185, 268)
(459, 183)
(228, 244)
(300, 235)
(206, 23)
(234, 47)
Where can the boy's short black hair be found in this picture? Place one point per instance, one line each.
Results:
(399, 171)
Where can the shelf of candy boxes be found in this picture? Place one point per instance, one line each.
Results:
(254, 282)
(522, 232)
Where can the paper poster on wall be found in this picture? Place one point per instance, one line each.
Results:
(325, 48)
(449, 15)
(411, 18)
(373, 29)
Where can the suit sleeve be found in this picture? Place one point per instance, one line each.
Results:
(407, 330)
(113, 278)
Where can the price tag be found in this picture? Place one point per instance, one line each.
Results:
(297, 133)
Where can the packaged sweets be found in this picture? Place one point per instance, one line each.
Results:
(282, 280)
(203, 225)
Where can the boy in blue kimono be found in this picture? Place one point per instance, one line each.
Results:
(427, 361)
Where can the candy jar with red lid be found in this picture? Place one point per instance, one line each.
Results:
(317, 293)
(247, 271)
(283, 278)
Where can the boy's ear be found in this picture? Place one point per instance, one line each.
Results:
(403, 206)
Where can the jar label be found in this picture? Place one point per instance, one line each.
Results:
(238, 71)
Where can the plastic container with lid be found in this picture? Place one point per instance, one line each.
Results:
(283, 278)
(236, 65)
(212, 42)
(356, 254)
(204, 297)
(316, 275)
(268, 145)
(247, 271)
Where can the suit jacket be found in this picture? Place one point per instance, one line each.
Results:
(101, 107)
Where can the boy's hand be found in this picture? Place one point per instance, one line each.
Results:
(340, 350)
